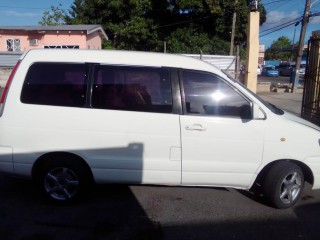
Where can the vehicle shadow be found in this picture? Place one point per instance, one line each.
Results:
(309, 218)
(111, 212)
(114, 212)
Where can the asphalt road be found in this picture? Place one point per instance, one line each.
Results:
(149, 212)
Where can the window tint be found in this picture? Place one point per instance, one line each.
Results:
(132, 89)
(55, 84)
(208, 94)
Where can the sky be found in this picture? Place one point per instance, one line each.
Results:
(27, 12)
(279, 13)
(283, 12)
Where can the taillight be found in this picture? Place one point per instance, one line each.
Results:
(6, 88)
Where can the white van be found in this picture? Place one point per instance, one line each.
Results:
(69, 118)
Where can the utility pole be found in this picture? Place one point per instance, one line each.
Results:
(233, 28)
(304, 24)
(294, 38)
(237, 63)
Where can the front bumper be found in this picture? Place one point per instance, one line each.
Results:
(314, 164)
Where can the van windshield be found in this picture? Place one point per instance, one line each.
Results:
(270, 106)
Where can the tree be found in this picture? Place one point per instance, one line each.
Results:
(56, 16)
(186, 40)
(125, 22)
(279, 49)
(220, 46)
(186, 25)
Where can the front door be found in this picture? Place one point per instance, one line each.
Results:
(221, 144)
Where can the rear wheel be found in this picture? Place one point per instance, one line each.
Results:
(283, 184)
(63, 181)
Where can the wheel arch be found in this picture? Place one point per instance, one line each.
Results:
(43, 160)
(308, 175)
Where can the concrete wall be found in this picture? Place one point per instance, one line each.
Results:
(94, 41)
(252, 51)
(54, 38)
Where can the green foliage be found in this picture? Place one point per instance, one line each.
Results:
(186, 25)
(56, 16)
(220, 47)
(279, 49)
(136, 34)
(186, 40)
(124, 21)
(106, 44)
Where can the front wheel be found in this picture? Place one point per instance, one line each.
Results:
(283, 184)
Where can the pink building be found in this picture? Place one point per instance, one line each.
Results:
(22, 38)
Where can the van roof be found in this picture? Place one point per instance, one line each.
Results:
(118, 57)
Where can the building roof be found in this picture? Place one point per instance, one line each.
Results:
(86, 28)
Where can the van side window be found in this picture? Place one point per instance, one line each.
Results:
(58, 84)
(208, 94)
(132, 89)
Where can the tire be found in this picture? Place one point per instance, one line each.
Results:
(63, 180)
(283, 185)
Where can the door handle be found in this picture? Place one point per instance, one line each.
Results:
(196, 127)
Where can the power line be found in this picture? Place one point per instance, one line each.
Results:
(178, 23)
(278, 28)
(314, 14)
(273, 7)
(287, 24)
(274, 2)
(293, 21)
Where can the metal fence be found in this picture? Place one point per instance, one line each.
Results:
(9, 59)
(221, 61)
(311, 94)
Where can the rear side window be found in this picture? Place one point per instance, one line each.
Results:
(132, 89)
(58, 84)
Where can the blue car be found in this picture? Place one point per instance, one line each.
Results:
(270, 71)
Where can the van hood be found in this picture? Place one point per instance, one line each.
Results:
(297, 119)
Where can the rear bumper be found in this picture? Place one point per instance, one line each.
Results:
(6, 164)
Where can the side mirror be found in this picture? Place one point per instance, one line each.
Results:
(251, 112)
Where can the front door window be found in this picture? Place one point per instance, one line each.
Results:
(208, 94)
